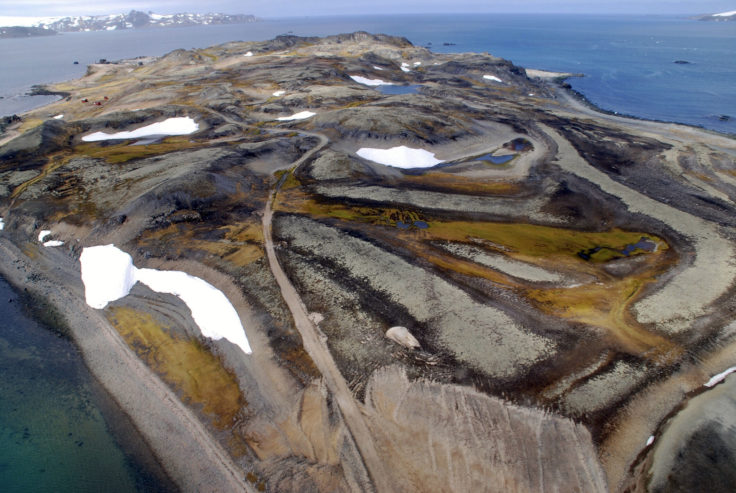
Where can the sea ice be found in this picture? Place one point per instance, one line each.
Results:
(492, 77)
(173, 126)
(400, 157)
(720, 377)
(298, 116)
(370, 82)
(108, 274)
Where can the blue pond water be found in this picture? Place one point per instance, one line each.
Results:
(394, 89)
(416, 224)
(496, 159)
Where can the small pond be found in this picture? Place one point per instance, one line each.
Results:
(393, 90)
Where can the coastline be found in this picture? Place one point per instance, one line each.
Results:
(56, 266)
(171, 430)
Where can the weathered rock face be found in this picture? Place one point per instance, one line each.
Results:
(561, 263)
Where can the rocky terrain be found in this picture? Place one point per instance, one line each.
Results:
(534, 313)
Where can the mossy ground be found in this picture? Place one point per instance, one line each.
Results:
(185, 364)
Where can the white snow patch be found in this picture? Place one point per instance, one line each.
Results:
(370, 82)
(725, 14)
(400, 157)
(298, 116)
(53, 243)
(58, 117)
(43, 234)
(376, 67)
(720, 377)
(492, 77)
(2, 224)
(250, 53)
(280, 92)
(405, 67)
(173, 126)
(108, 274)
(650, 440)
(416, 64)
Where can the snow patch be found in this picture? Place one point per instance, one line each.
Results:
(108, 274)
(720, 377)
(250, 53)
(58, 117)
(53, 243)
(43, 234)
(416, 64)
(173, 126)
(492, 77)
(405, 67)
(297, 116)
(400, 157)
(376, 67)
(280, 92)
(2, 224)
(650, 440)
(370, 82)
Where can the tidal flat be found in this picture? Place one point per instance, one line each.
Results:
(579, 292)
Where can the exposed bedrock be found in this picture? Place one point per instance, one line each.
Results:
(462, 440)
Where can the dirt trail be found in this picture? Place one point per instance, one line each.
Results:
(315, 344)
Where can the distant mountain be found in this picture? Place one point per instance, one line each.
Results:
(24, 32)
(136, 19)
(723, 16)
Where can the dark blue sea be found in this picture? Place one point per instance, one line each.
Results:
(628, 61)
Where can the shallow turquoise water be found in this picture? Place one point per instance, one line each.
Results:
(53, 435)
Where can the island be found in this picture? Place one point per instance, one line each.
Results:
(352, 264)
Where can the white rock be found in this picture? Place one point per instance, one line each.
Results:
(401, 335)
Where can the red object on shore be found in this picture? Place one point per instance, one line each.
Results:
(85, 100)
(98, 103)
(105, 98)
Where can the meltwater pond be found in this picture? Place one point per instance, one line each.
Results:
(58, 430)
(391, 89)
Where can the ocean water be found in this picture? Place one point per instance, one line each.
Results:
(55, 422)
(628, 61)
